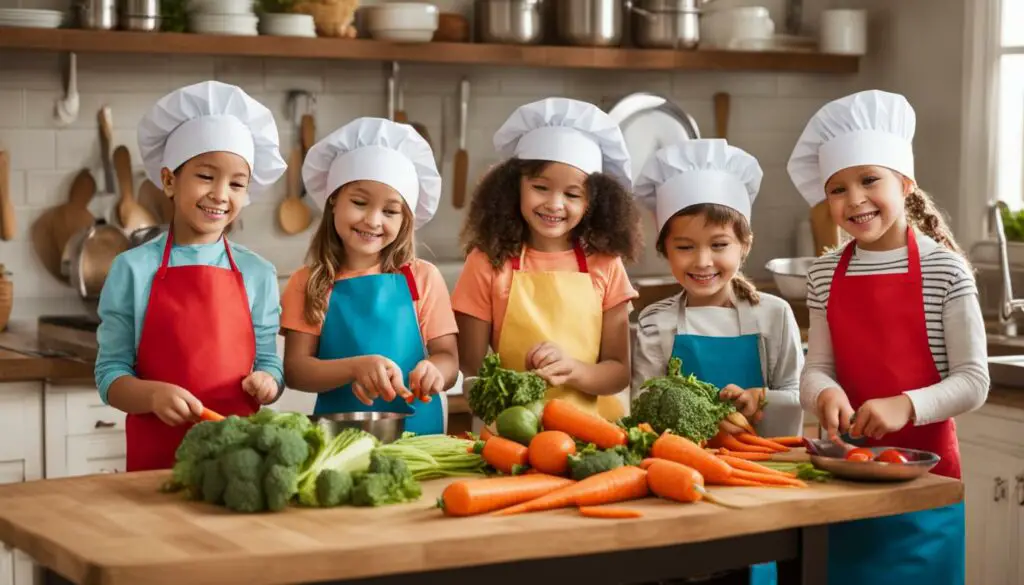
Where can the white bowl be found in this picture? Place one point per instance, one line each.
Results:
(287, 25)
(221, 6)
(403, 35)
(790, 275)
(418, 16)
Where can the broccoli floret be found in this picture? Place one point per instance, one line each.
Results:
(214, 481)
(333, 487)
(279, 485)
(348, 451)
(590, 463)
(373, 489)
(291, 450)
(242, 464)
(244, 496)
(387, 481)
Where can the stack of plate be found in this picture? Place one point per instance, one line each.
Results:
(287, 25)
(222, 17)
(30, 18)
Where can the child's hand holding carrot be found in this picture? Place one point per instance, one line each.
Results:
(424, 380)
(748, 402)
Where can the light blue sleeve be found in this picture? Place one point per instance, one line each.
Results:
(266, 323)
(115, 336)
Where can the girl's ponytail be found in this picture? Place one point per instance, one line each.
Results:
(922, 214)
(744, 290)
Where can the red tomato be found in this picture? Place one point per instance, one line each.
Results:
(860, 454)
(891, 456)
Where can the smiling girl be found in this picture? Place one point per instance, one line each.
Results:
(544, 284)
(896, 346)
(367, 325)
(189, 320)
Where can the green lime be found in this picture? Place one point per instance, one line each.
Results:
(517, 424)
(537, 408)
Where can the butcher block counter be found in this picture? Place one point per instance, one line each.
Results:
(119, 529)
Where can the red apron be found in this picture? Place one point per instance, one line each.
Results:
(880, 342)
(197, 334)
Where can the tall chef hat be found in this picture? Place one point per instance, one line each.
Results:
(707, 170)
(568, 131)
(867, 128)
(376, 149)
(210, 117)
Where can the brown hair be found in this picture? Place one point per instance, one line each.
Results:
(720, 215)
(922, 214)
(326, 257)
(495, 225)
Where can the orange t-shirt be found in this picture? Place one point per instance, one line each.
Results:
(482, 291)
(433, 309)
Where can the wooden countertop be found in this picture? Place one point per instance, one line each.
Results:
(19, 362)
(119, 530)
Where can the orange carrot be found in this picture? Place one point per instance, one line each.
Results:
(210, 415)
(788, 441)
(485, 434)
(737, 482)
(733, 444)
(767, 479)
(682, 450)
(746, 455)
(646, 428)
(560, 415)
(737, 463)
(674, 481)
(504, 455)
(479, 496)
(761, 442)
(607, 487)
(606, 512)
(549, 452)
(648, 462)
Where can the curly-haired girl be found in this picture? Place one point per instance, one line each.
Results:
(544, 283)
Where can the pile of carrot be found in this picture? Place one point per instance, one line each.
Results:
(677, 469)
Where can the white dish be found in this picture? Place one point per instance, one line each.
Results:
(418, 16)
(287, 25)
(30, 18)
(221, 6)
(404, 35)
(224, 21)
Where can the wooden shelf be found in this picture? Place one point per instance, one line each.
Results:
(89, 41)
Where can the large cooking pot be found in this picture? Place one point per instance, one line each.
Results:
(87, 259)
(591, 23)
(515, 22)
(673, 24)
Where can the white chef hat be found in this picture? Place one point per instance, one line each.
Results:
(210, 117)
(707, 170)
(568, 131)
(376, 149)
(867, 128)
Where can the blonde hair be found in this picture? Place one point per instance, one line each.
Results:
(326, 258)
(720, 215)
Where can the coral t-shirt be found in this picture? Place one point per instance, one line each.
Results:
(482, 291)
(433, 309)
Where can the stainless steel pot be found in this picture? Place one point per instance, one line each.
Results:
(97, 14)
(591, 23)
(516, 22)
(88, 258)
(140, 15)
(673, 24)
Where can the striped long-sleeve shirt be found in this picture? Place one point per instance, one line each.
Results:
(956, 330)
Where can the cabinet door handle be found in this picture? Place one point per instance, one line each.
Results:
(1019, 490)
(102, 424)
(1000, 489)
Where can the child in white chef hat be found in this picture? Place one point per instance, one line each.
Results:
(188, 320)
(368, 326)
(544, 284)
(896, 346)
(722, 329)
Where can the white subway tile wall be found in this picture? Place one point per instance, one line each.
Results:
(768, 113)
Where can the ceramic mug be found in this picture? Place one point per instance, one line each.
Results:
(844, 32)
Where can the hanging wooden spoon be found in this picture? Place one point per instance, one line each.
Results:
(132, 215)
(722, 115)
(156, 201)
(293, 214)
(7, 228)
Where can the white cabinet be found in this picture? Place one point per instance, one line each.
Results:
(993, 472)
(83, 435)
(21, 459)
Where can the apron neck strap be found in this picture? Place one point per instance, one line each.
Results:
(164, 264)
(581, 258)
(745, 312)
(913, 257)
(411, 281)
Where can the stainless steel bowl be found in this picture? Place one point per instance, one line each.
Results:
(831, 457)
(386, 426)
(790, 275)
(590, 23)
(512, 22)
(673, 24)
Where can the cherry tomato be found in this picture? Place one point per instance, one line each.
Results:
(860, 454)
(891, 456)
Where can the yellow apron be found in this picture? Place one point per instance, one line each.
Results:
(561, 308)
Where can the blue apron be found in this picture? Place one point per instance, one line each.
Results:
(722, 361)
(375, 315)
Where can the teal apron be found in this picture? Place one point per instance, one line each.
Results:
(722, 361)
(375, 315)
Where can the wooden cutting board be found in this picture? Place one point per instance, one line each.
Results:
(119, 530)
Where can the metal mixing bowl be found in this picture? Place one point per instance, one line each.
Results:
(386, 426)
(790, 275)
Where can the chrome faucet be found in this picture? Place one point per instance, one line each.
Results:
(1007, 304)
